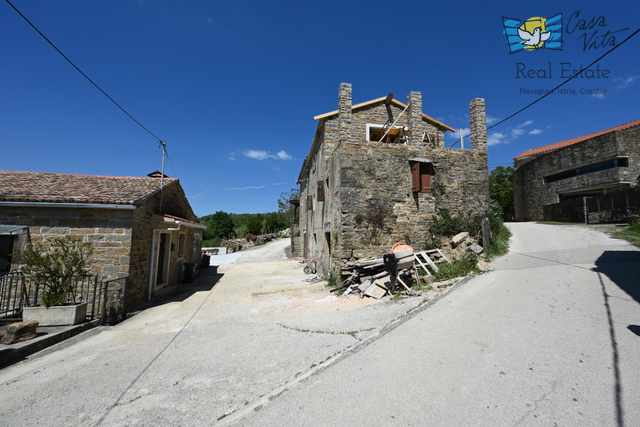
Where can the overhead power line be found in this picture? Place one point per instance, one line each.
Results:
(557, 87)
(83, 74)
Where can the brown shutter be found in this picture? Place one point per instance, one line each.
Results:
(425, 177)
(321, 191)
(415, 177)
(309, 203)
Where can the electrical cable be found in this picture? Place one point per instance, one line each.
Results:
(80, 71)
(557, 87)
(248, 188)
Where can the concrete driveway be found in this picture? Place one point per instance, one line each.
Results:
(225, 344)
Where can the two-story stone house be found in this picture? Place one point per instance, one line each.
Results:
(378, 171)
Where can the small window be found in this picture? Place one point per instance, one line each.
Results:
(421, 177)
(320, 191)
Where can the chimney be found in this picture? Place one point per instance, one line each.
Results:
(414, 117)
(478, 125)
(344, 111)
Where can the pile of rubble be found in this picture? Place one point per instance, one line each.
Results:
(381, 276)
(236, 245)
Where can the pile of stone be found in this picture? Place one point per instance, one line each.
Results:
(236, 245)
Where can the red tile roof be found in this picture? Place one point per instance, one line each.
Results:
(572, 141)
(16, 186)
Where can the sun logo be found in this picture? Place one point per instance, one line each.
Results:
(534, 33)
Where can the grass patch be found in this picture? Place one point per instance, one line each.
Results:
(631, 234)
(459, 267)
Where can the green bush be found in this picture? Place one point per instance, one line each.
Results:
(57, 267)
(634, 228)
(459, 267)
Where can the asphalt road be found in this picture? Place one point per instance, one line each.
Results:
(550, 337)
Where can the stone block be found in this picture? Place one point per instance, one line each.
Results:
(21, 331)
(459, 239)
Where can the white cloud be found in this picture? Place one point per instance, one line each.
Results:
(264, 155)
(516, 132)
(624, 82)
(456, 135)
(527, 123)
(598, 95)
(232, 156)
(282, 155)
(536, 132)
(491, 120)
(496, 138)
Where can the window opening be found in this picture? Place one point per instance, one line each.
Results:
(421, 174)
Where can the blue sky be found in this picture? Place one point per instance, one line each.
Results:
(232, 86)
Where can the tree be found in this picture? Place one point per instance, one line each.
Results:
(220, 225)
(253, 224)
(285, 208)
(501, 190)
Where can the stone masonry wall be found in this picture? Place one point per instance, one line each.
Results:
(531, 193)
(356, 172)
(173, 203)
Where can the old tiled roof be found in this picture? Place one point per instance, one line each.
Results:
(49, 187)
(572, 141)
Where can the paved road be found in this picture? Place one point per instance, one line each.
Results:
(199, 357)
(550, 338)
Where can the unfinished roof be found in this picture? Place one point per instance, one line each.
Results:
(16, 186)
(392, 101)
(572, 141)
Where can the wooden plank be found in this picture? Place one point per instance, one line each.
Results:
(442, 255)
(405, 285)
(375, 291)
(417, 258)
(429, 261)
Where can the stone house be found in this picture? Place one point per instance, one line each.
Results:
(139, 230)
(584, 166)
(378, 171)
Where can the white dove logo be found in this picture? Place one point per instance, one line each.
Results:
(535, 39)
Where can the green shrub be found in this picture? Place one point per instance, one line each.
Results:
(459, 267)
(57, 267)
(634, 228)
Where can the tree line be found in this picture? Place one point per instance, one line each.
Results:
(223, 225)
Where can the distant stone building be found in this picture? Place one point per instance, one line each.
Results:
(377, 171)
(584, 166)
(139, 231)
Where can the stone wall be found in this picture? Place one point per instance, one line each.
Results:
(531, 192)
(356, 173)
(121, 237)
(572, 210)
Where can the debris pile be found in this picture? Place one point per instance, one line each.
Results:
(377, 277)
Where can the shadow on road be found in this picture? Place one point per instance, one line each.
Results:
(622, 268)
(207, 280)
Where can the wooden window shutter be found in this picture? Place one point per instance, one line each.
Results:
(309, 203)
(321, 191)
(425, 177)
(415, 177)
